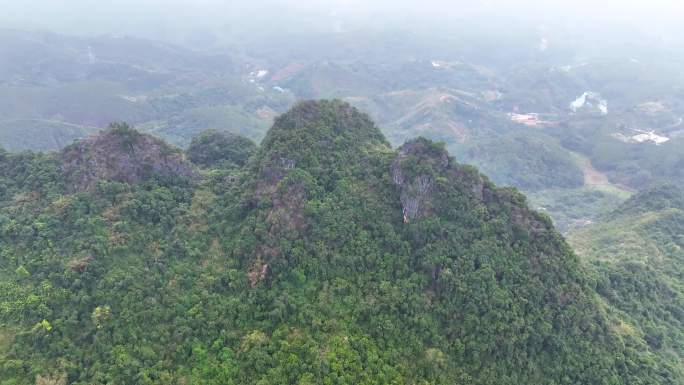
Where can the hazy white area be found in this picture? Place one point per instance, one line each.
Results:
(591, 100)
(531, 119)
(643, 136)
(194, 20)
(650, 136)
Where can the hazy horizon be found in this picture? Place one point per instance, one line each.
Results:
(184, 21)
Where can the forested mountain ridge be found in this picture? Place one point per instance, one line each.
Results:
(325, 257)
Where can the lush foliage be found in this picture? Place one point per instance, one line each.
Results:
(575, 208)
(299, 268)
(637, 255)
(212, 148)
(526, 162)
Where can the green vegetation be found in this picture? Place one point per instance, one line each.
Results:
(40, 135)
(526, 162)
(629, 164)
(50, 95)
(54, 89)
(636, 252)
(213, 148)
(575, 208)
(308, 265)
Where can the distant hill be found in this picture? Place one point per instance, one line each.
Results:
(40, 135)
(637, 252)
(563, 124)
(52, 85)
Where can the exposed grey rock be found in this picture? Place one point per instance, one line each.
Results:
(416, 189)
(120, 154)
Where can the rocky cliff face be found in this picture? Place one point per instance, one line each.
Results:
(414, 170)
(120, 154)
(423, 167)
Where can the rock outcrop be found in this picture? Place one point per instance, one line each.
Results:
(414, 170)
(120, 154)
(421, 163)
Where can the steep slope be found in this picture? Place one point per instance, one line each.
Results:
(637, 253)
(328, 258)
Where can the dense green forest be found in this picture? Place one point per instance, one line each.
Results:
(323, 256)
(636, 252)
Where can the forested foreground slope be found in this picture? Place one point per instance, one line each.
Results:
(323, 256)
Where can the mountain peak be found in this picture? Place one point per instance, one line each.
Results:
(321, 127)
(122, 154)
(324, 138)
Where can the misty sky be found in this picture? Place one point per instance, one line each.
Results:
(171, 19)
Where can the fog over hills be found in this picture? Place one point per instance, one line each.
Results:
(201, 21)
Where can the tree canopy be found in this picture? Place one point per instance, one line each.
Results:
(327, 258)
